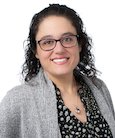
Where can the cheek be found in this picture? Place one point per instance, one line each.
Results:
(43, 56)
(40, 54)
(76, 52)
(42, 59)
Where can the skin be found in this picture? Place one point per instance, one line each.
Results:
(60, 62)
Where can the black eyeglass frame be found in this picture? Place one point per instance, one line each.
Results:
(56, 40)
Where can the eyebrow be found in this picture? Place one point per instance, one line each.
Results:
(50, 36)
(68, 33)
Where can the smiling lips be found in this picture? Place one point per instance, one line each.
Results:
(60, 61)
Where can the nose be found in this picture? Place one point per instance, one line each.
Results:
(59, 47)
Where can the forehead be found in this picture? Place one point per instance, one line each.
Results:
(55, 26)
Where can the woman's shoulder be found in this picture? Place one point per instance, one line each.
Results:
(96, 81)
(19, 90)
(99, 84)
(16, 95)
(103, 89)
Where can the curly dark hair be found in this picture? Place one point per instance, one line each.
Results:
(32, 65)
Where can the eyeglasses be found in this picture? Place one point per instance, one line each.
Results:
(50, 44)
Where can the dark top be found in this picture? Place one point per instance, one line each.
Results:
(70, 127)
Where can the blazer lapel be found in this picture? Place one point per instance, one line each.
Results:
(47, 105)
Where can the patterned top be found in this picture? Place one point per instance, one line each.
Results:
(70, 127)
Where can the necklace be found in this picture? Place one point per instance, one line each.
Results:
(77, 110)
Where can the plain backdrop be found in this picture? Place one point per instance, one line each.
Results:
(15, 16)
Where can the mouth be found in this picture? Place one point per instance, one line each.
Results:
(60, 60)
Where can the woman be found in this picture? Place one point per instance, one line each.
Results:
(61, 96)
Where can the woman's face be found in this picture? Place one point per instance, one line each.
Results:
(60, 61)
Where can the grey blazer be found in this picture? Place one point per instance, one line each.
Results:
(30, 110)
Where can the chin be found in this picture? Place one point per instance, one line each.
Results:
(62, 73)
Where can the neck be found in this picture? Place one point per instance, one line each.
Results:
(66, 84)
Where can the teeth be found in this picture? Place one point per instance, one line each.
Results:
(60, 60)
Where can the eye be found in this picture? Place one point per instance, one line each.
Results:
(67, 39)
(47, 42)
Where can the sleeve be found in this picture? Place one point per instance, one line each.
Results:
(108, 98)
(10, 116)
(106, 94)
